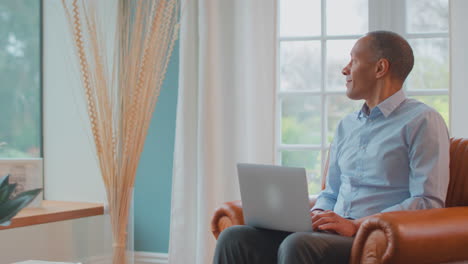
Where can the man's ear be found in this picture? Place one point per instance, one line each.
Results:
(381, 68)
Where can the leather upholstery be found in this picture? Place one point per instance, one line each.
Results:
(457, 194)
(424, 236)
(230, 213)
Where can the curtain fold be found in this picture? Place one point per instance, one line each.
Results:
(225, 113)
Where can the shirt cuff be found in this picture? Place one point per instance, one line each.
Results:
(396, 207)
(323, 204)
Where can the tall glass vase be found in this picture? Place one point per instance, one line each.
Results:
(121, 223)
(118, 233)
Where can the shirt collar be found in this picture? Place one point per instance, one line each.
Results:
(387, 106)
(364, 111)
(391, 103)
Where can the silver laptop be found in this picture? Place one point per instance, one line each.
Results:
(274, 197)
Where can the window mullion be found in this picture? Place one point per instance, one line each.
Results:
(276, 154)
(282, 147)
(399, 22)
(427, 92)
(373, 14)
(309, 92)
(427, 35)
(380, 13)
(324, 114)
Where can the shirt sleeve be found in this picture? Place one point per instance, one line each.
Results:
(327, 198)
(428, 150)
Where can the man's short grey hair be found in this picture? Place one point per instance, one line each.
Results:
(393, 47)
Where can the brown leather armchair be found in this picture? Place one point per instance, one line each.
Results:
(416, 237)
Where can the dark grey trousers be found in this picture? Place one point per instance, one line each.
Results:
(249, 245)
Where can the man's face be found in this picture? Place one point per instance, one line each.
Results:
(360, 71)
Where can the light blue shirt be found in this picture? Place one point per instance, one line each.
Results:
(394, 158)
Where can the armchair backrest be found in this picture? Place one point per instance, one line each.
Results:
(325, 171)
(457, 194)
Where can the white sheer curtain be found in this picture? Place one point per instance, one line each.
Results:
(225, 113)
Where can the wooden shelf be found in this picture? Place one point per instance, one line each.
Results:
(53, 211)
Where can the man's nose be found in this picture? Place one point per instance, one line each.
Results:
(345, 70)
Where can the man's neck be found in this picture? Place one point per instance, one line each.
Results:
(383, 90)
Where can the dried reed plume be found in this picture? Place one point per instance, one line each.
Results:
(122, 89)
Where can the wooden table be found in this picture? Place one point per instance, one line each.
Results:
(53, 211)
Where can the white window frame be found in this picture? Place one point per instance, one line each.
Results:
(380, 16)
(34, 166)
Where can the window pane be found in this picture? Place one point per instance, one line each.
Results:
(337, 58)
(427, 16)
(300, 18)
(300, 120)
(338, 107)
(348, 17)
(431, 65)
(20, 79)
(300, 65)
(438, 102)
(308, 159)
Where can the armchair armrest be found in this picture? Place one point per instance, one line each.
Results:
(230, 213)
(424, 236)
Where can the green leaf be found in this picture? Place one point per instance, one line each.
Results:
(7, 223)
(4, 181)
(10, 208)
(6, 191)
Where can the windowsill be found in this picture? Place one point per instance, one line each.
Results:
(54, 211)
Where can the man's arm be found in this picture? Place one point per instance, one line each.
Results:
(332, 222)
(327, 198)
(429, 145)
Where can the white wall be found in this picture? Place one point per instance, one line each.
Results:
(70, 168)
(459, 67)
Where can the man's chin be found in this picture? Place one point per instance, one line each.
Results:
(351, 95)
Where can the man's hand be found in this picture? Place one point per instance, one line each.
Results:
(330, 221)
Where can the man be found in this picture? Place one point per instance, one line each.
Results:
(391, 155)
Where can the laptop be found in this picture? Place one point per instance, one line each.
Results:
(274, 197)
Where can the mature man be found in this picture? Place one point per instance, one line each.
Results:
(391, 155)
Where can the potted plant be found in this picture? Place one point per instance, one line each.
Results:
(11, 204)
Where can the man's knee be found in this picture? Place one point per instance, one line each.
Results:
(300, 247)
(314, 248)
(237, 234)
(240, 244)
(237, 239)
